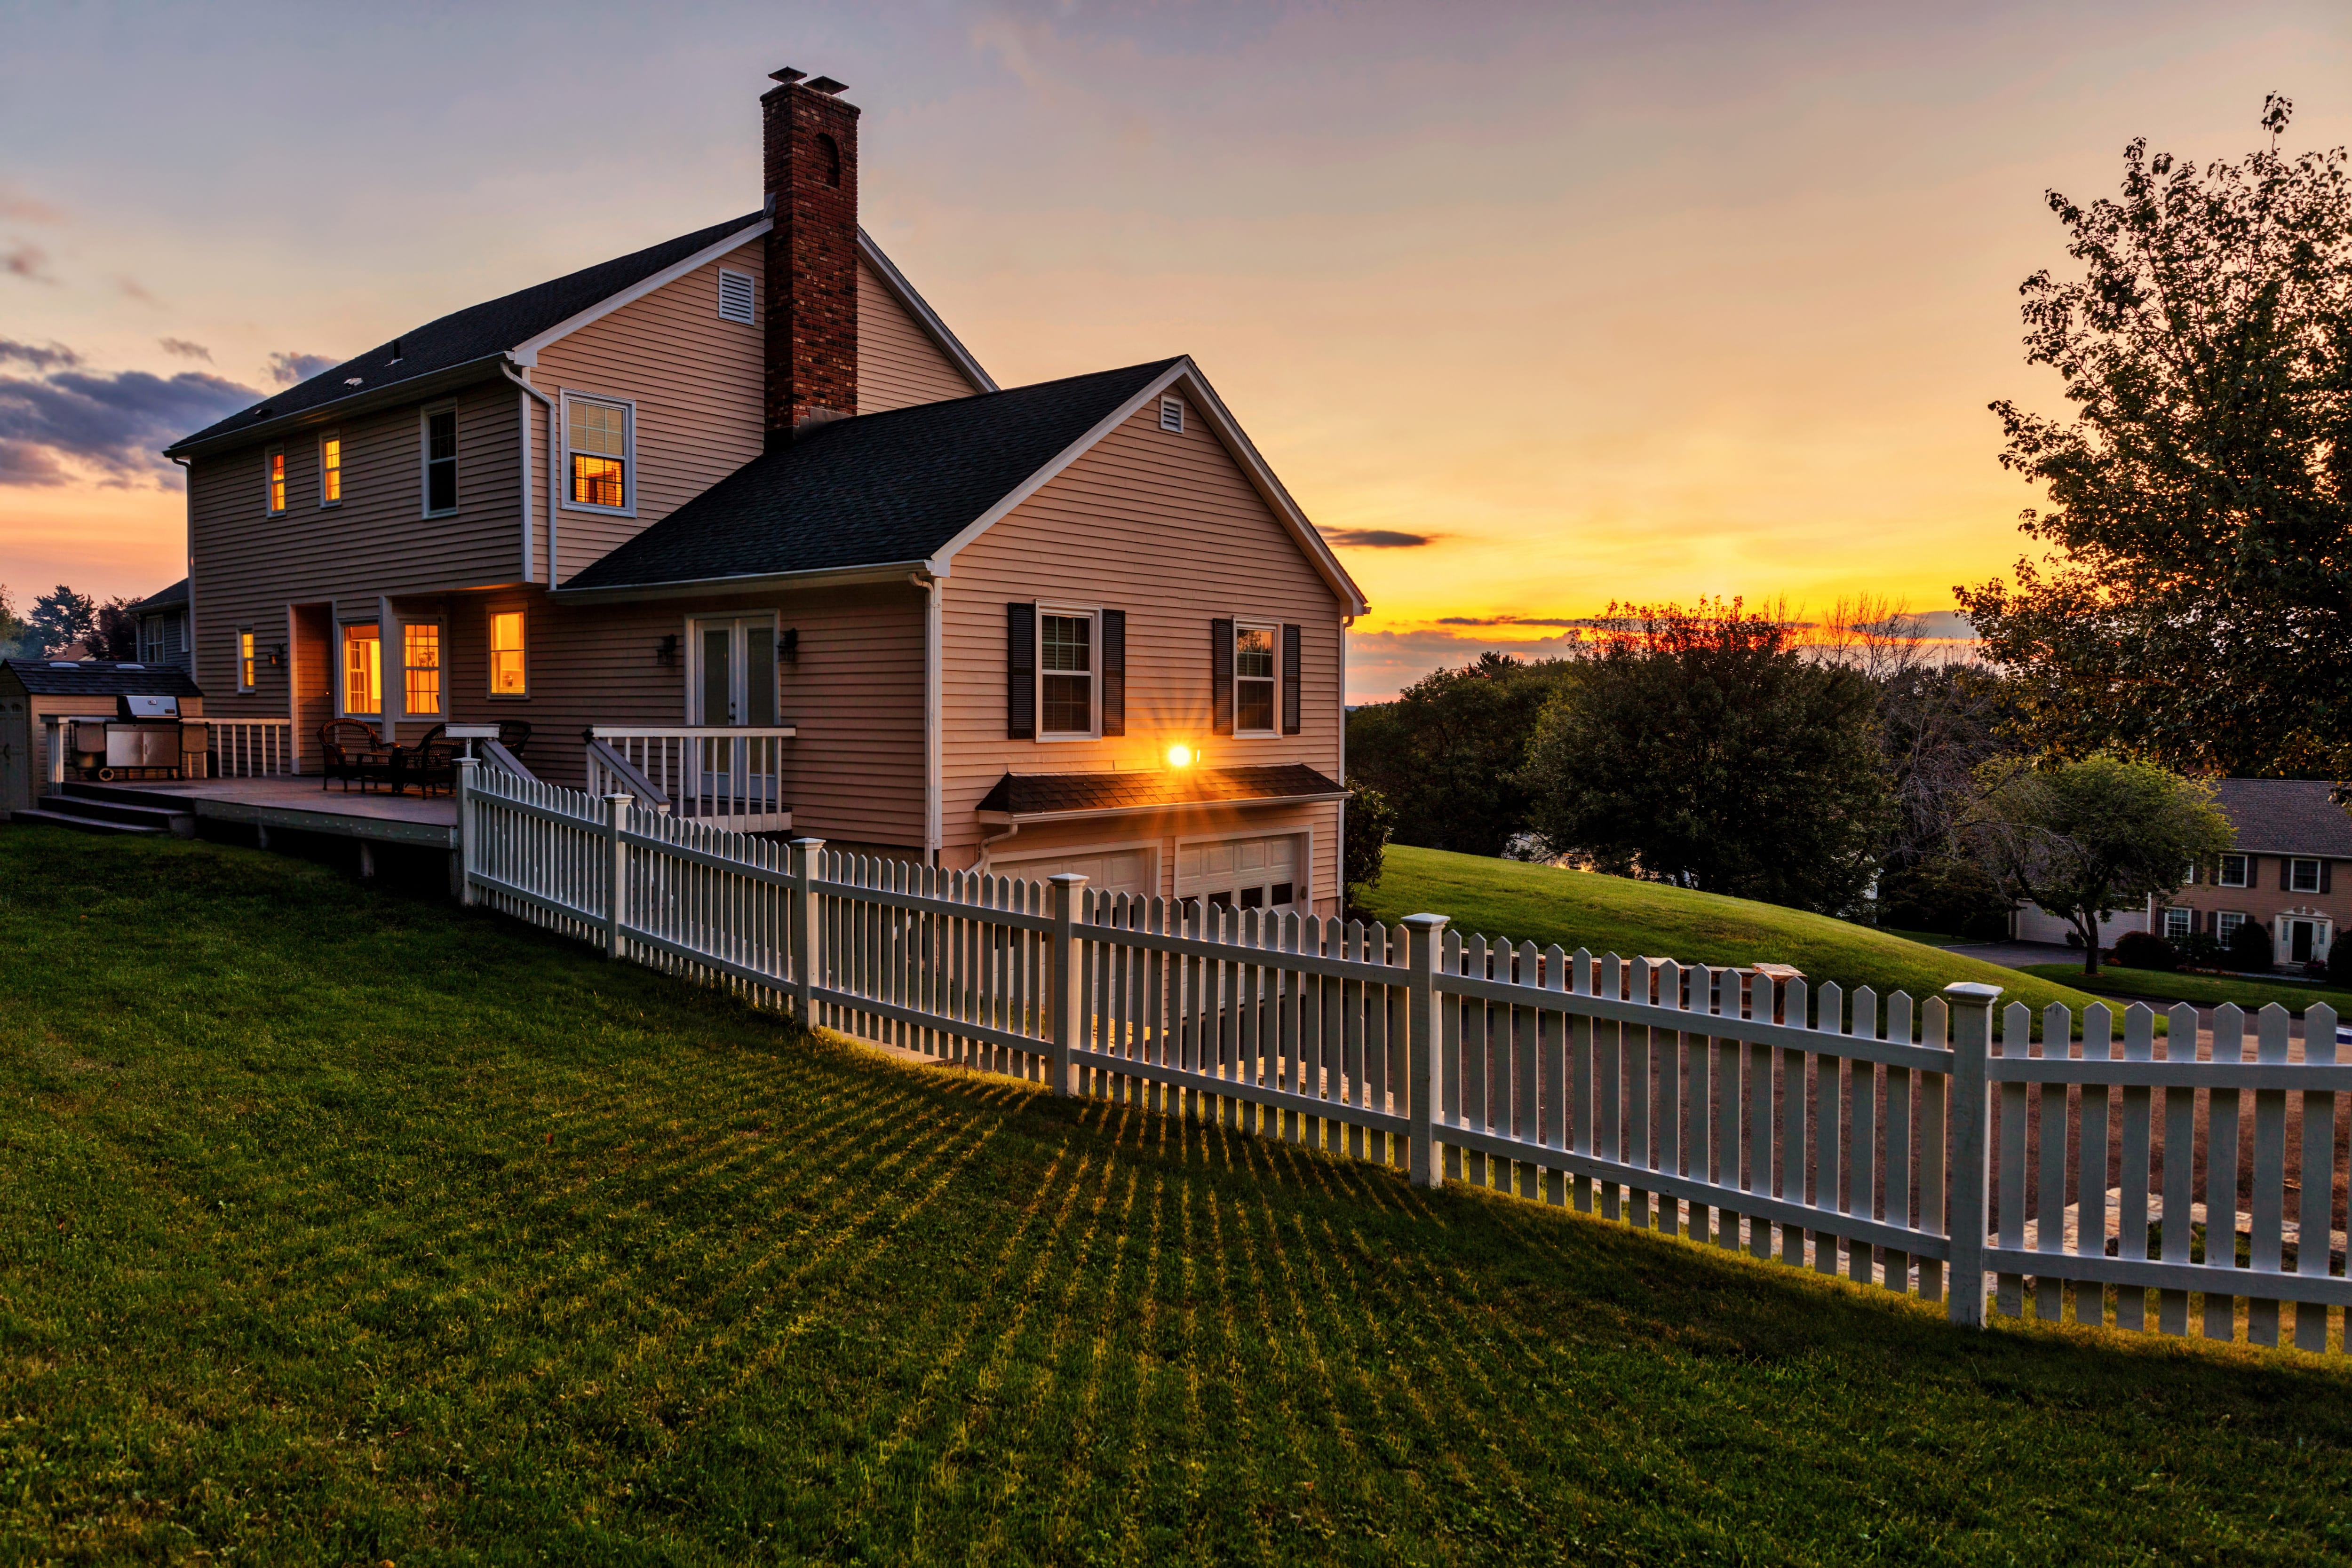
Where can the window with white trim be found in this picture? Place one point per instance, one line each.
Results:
(1065, 671)
(1256, 679)
(2303, 876)
(440, 460)
(359, 686)
(509, 674)
(2226, 924)
(738, 293)
(420, 663)
(247, 659)
(599, 454)
(2178, 924)
(2232, 872)
(274, 469)
(1171, 416)
(330, 470)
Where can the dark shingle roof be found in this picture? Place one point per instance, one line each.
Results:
(877, 489)
(93, 678)
(474, 333)
(2286, 817)
(172, 598)
(1050, 794)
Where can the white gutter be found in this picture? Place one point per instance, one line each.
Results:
(530, 390)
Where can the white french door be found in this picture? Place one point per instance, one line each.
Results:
(733, 682)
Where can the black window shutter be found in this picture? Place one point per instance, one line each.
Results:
(1021, 671)
(1221, 675)
(1114, 672)
(1290, 680)
(2326, 876)
(2286, 873)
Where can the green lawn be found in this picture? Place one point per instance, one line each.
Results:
(2212, 990)
(1543, 904)
(340, 1227)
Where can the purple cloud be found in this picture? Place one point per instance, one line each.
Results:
(117, 423)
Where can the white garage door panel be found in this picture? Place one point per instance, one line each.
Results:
(1111, 871)
(1249, 873)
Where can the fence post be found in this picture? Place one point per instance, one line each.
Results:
(461, 860)
(1069, 978)
(616, 813)
(807, 856)
(1422, 1062)
(1971, 1146)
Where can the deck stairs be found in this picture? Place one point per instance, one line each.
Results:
(99, 809)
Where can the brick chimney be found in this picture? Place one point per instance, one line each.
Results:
(811, 163)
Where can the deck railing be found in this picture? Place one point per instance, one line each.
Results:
(716, 775)
(1913, 1147)
(252, 747)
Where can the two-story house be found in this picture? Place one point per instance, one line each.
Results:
(2280, 873)
(746, 485)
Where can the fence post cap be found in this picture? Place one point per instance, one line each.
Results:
(1972, 993)
(808, 843)
(1072, 880)
(1432, 923)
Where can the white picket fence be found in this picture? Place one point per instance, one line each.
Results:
(1848, 1134)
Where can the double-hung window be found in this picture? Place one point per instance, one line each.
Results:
(2232, 872)
(247, 659)
(275, 465)
(598, 441)
(508, 675)
(1065, 671)
(440, 461)
(330, 470)
(1256, 679)
(2303, 876)
(2178, 923)
(420, 661)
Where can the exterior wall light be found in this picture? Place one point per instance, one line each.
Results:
(1180, 757)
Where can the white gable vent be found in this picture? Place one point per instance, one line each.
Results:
(734, 297)
(1172, 414)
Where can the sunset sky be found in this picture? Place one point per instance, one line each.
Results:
(1601, 302)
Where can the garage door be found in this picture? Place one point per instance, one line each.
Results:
(1114, 871)
(1245, 873)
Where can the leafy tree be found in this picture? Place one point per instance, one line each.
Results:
(1705, 749)
(2200, 496)
(14, 632)
(2249, 945)
(2087, 839)
(1369, 823)
(1447, 752)
(62, 617)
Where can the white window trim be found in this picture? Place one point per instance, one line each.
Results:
(2246, 872)
(1242, 624)
(1092, 614)
(751, 285)
(2317, 873)
(690, 662)
(2189, 918)
(1302, 896)
(440, 714)
(342, 667)
(324, 437)
(269, 491)
(424, 462)
(490, 654)
(628, 407)
(240, 634)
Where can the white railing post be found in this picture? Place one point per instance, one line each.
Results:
(57, 758)
(617, 815)
(1971, 1146)
(1069, 977)
(807, 853)
(1422, 1062)
(466, 836)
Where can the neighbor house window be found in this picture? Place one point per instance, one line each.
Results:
(363, 672)
(2303, 876)
(440, 460)
(2226, 924)
(420, 660)
(331, 471)
(597, 454)
(1253, 678)
(2178, 924)
(246, 659)
(2233, 872)
(275, 463)
(1065, 673)
(507, 674)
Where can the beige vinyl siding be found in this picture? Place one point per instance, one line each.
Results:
(248, 565)
(898, 364)
(698, 384)
(1167, 527)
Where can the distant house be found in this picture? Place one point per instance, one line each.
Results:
(2280, 875)
(162, 621)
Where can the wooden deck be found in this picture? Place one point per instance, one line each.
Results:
(300, 805)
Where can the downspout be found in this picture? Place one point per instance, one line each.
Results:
(528, 390)
(934, 594)
(188, 484)
(988, 841)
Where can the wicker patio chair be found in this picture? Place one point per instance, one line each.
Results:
(431, 764)
(354, 753)
(514, 734)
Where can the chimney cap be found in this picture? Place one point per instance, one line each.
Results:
(827, 85)
(787, 76)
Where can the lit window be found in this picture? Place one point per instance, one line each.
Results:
(277, 461)
(1066, 666)
(1254, 680)
(598, 446)
(441, 460)
(2178, 924)
(2303, 876)
(506, 674)
(245, 660)
(331, 471)
(2233, 871)
(420, 649)
(363, 672)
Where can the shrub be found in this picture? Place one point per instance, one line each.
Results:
(1371, 821)
(2249, 945)
(2146, 950)
(1946, 893)
(2199, 950)
(2340, 962)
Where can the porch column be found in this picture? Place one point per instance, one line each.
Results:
(391, 659)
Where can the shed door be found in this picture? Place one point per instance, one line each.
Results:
(16, 755)
(1266, 872)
